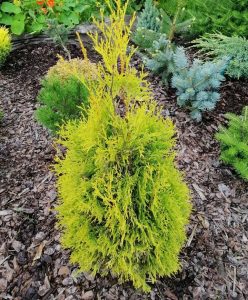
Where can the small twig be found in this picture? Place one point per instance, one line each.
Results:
(6, 258)
(191, 236)
(234, 278)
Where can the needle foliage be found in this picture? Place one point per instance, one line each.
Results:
(63, 96)
(234, 143)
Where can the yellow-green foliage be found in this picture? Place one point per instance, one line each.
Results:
(5, 44)
(74, 67)
(123, 203)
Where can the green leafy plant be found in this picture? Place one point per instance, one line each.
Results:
(12, 15)
(234, 143)
(31, 16)
(219, 45)
(197, 84)
(63, 97)
(124, 205)
(5, 44)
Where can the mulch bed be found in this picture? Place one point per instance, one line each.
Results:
(32, 263)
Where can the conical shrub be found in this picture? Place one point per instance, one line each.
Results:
(123, 203)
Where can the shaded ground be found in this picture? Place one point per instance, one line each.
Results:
(32, 263)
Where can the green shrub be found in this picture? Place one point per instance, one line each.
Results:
(123, 203)
(234, 143)
(60, 102)
(219, 45)
(63, 96)
(5, 44)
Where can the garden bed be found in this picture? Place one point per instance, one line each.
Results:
(32, 263)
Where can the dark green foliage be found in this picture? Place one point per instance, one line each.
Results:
(227, 16)
(234, 143)
(197, 84)
(61, 101)
(177, 23)
(219, 45)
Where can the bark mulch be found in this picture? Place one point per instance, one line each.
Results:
(32, 263)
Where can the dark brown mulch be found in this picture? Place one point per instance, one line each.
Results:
(32, 263)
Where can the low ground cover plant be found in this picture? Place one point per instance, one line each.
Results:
(123, 203)
(234, 143)
(218, 45)
(5, 44)
(63, 97)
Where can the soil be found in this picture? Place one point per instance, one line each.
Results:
(32, 263)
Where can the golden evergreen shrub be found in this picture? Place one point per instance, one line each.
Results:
(74, 67)
(123, 203)
(5, 44)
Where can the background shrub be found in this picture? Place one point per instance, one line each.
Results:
(5, 44)
(63, 96)
(153, 22)
(219, 45)
(227, 16)
(197, 84)
(234, 143)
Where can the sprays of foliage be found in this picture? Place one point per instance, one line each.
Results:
(234, 143)
(123, 205)
(219, 45)
(5, 44)
(197, 84)
(63, 97)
